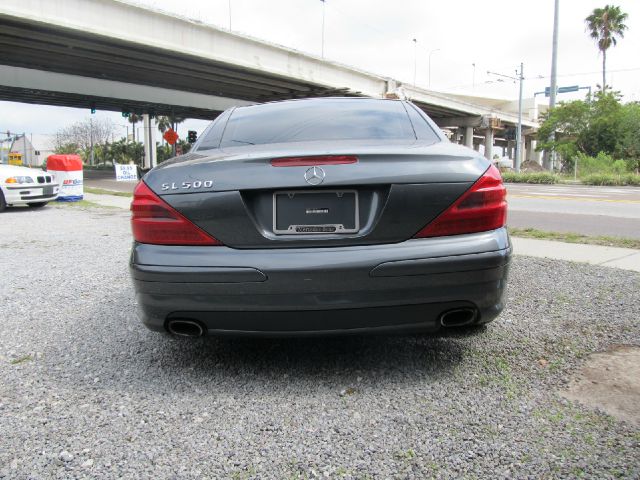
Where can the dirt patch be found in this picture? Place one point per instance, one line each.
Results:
(529, 166)
(610, 381)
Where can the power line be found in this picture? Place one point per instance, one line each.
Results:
(544, 77)
(587, 73)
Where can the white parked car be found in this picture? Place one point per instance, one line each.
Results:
(26, 186)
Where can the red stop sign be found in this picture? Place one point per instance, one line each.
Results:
(170, 136)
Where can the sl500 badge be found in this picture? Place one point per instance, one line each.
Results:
(187, 185)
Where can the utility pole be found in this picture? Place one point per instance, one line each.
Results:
(415, 60)
(431, 53)
(519, 129)
(323, 7)
(229, 15)
(91, 138)
(24, 143)
(473, 80)
(519, 78)
(549, 160)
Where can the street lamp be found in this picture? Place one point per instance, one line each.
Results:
(549, 160)
(473, 79)
(415, 60)
(431, 53)
(323, 5)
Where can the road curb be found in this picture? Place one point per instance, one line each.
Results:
(624, 258)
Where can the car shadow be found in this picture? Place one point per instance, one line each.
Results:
(133, 357)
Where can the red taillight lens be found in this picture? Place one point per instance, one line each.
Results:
(155, 221)
(311, 161)
(481, 208)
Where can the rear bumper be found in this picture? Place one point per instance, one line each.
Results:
(403, 286)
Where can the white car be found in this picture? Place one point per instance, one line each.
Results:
(26, 186)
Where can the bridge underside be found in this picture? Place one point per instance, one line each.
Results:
(53, 49)
(43, 47)
(66, 99)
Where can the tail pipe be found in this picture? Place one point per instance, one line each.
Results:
(185, 328)
(458, 317)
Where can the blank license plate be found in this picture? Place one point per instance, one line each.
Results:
(305, 212)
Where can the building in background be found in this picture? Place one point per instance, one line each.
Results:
(18, 149)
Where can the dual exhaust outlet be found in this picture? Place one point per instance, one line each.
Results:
(185, 328)
(457, 317)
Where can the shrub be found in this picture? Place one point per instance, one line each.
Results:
(532, 177)
(601, 164)
(612, 180)
(619, 167)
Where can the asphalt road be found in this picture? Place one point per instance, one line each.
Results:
(106, 180)
(588, 210)
(611, 211)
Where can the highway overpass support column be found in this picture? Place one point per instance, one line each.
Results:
(510, 149)
(532, 155)
(150, 153)
(468, 137)
(488, 144)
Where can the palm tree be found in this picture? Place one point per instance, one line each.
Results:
(170, 121)
(133, 119)
(604, 26)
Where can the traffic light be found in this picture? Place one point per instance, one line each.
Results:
(93, 108)
(192, 136)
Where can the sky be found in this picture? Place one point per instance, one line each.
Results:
(494, 35)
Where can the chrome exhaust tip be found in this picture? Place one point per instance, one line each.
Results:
(458, 317)
(185, 328)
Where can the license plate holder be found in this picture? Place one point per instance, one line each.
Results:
(315, 212)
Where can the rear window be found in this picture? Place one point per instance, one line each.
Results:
(301, 121)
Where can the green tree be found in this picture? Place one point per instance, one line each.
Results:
(568, 121)
(603, 124)
(67, 148)
(165, 122)
(628, 136)
(589, 128)
(605, 25)
(123, 151)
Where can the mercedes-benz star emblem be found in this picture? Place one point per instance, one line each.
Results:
(314, 176)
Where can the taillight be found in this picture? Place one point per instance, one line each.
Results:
(155, 221)
(315, 160)
(481, 208)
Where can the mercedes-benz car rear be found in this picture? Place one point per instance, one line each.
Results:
(318, 216)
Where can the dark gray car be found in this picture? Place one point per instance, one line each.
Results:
(317, 216)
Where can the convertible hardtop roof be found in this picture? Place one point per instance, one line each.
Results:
(321, 99)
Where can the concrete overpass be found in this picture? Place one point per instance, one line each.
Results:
(114, 55)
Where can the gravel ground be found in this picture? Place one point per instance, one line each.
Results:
(87, 392)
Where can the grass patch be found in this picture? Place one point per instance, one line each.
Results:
(22, 359)
(611, 179)
(102, 191)
(530, 177)
(407, 455)
(575, 238)
(82, 203)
